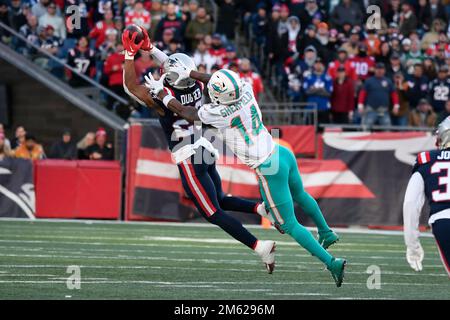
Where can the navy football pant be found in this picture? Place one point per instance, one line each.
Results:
(203, 185)
(441, 232)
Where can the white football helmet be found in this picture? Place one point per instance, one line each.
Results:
(225, 87)
(443, 134)
(179, 59)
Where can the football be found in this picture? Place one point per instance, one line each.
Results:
(132, 28)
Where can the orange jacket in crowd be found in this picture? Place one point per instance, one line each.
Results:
(35, 154)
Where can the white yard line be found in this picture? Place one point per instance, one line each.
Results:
(352, 230)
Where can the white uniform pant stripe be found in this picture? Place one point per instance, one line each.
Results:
(272, 205)
(199, 194)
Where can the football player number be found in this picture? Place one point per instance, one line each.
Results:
(438, 195)
(236, 122)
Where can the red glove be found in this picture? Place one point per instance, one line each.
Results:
(129, 44)
(147, 45)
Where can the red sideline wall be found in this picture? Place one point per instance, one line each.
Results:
(78, 189)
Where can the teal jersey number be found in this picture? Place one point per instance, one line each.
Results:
(257, 125)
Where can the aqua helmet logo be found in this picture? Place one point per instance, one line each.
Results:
(218, 88)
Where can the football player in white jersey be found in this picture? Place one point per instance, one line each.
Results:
(235, 113)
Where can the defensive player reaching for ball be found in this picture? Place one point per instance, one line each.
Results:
(235, 113)
(193, 153)
(430, 179)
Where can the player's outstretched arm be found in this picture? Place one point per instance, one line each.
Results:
(185, 72)
(156, 87)
(138, 92)
(412, 207)
(203, 77)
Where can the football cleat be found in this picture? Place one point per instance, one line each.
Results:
(263, 212)
(336, 268)
(328, 238)
(266, 250)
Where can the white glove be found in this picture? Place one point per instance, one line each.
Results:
(155, 86)
(183, 72)
(414, 256)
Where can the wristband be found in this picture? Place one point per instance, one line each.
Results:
(128, 56)
(167, 99)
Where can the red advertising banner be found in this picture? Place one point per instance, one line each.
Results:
(78, 189)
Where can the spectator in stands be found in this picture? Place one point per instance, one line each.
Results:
(372, 43)
(412, 57)
(226, 21)
(432, 36)
(99, 31)
(143, 65)
(30, 32)
(260, 24)
(101, 150)
(342, 60)
(363, 63)
(418, 85)
(217, 49)
(48, 43)
(197, 29)
(318, 87)
(293, 31)
(429, 68)
(5, 150)
(30, 149)
(230, 57)
(19, 137)
(439, 90)
(113, 68)
(395, 66)
(423, 115)
(346, 11)
(82, 58)
(408, 20)
(109, 45)
(434, 9)
(375, 99)
(4, 18)
(138, 15)
(251, 77)
(401, 87)
(311, 13)
(444, 113)
(40, 8)
(83, 145)
(164, 44)
(352, 45)
(343, 97)
(18, 12)
(170, 21)
(51, 18)
(156, 13)
(64, 148)
(309, 39)
(6, 140)
(203, 57)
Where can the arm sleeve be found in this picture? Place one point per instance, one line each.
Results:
(208, 116)
(412, 207)
(158, 55)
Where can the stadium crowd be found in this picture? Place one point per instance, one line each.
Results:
(322, 53)
(93, 146)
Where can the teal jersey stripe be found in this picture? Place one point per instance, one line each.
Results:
(236, 88)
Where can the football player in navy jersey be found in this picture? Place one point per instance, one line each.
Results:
(430, 180)
(193, 153)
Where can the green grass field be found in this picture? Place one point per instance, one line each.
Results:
(160, 261)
